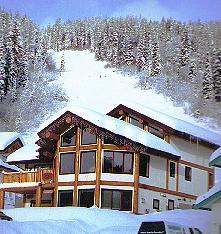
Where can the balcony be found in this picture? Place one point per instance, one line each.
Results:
(45, 176)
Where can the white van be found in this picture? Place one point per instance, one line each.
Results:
(164, 227)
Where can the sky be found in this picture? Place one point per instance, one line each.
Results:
(47, 11)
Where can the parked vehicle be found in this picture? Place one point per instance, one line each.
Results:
(5, 217)
(164, 227)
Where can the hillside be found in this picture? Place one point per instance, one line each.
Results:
(88, 83)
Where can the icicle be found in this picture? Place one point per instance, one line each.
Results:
(197, 144)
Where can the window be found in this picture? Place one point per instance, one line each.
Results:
(211, 179)
(65, 198)
(144, 165)
(86, 197)
(188, 173)
(156, 131)
(88, 138)
(156, 204)
(170, 204)
(136, 122)
(67, 163)
(116, 199)
(88, 159)
(118, 162)
(172, 169)
(69, 137)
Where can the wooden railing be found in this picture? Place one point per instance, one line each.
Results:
(42, 175)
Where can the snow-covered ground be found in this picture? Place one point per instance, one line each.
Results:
(93, 220)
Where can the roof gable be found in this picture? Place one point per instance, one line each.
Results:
(106, 126)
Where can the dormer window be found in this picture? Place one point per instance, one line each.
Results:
(136, 122)
(69, 137)
(156, 131)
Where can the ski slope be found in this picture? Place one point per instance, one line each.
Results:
(89, 84)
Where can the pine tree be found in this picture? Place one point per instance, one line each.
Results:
(155, 68)
(217, 76)
(62, 67)
(129, 54)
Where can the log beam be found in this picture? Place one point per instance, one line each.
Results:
(38, 196)
(77, 158)
(2, 199)
(98, 172)
(52, 136)
(136, 182)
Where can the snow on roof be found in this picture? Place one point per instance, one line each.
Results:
(116, 126)
(7, 166)
(177, 124)
(6, 138)
(215, 154)
(25, 153)
(19, 185)
(204, 200)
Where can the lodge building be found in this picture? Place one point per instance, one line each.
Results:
(86, 158)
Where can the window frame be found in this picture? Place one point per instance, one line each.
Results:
(190, 174)
(74, 156)
(82, 133)
(171, 176)
(63, 191)
(121, 198)
(81, 152)
(61, 144)
(156, 128)
(148, 165)
(170, 201)
(136, 119)
(123, 152)
(158, 204)
(85, 190)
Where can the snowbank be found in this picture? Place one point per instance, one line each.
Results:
(93, 220)
(6, 138)
(116, 126)
(26, 153)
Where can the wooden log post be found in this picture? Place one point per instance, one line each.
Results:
(2, 199)
(38, 196)
(77, 158)
(56, 172)
(98, 172)
(136, 182)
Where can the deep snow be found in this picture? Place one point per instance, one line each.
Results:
(94, 220)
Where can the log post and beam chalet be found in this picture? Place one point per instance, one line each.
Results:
(2, 199)
(98, 172)
(52, 136)
(38, 196)
(77, 158)
(136, 182)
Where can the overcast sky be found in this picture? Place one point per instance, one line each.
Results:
(47, 11)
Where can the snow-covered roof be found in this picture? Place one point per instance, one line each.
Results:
(116, 126)
(176, 124)
(9, 167)
(6, 138)
(215, 157)
(207, 199)
(25, 153)
(19, 185)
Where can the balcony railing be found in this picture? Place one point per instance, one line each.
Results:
(42, 175)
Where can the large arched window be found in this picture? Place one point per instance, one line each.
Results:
(69, 137)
